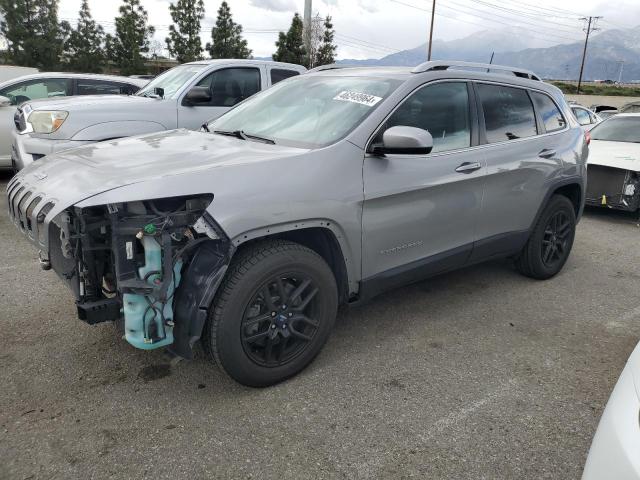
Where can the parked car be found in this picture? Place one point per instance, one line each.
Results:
(604, 114)
(585, 117)
(614, 450)
(599, 107)
(326, 189)
(614, 163)
(52, 85)
(185, 96)
(631, 107)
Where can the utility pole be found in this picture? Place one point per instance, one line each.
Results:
(433, 13)
(621, 62)
(591, 27)
(307, 27)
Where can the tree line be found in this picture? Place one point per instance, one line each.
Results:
(36, 37)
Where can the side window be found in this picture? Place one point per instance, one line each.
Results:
(279, 74)
(508, 113)
(442, 109)
(101, 87)
(582, 116)
(35, 89)
(549, 112)
(231, 85)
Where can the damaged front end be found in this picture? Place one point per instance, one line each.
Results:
(154, 263)
(613, 187)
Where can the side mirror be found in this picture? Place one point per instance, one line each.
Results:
(405, 140)
(4, 101)
(197, 95)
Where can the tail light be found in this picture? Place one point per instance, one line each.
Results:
(587, 137)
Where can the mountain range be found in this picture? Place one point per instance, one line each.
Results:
(605, 52)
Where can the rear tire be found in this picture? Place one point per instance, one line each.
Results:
(272, 314)
(550, 242)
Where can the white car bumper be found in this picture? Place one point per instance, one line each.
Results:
(26, 149)
(615, 451)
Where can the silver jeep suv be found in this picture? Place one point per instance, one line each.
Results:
(326, 189)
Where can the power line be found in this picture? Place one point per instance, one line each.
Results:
(533, 33)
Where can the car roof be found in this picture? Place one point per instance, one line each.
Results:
(636, 114)
(85, 76)
(224, 61)
(444, 70)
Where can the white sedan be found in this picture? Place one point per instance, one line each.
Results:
(586, 118)
(615, 451)
(613, 168)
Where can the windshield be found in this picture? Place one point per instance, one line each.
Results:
(171, 81)
(618, 129)
(307, 111)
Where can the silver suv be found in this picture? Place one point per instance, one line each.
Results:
(185, 96)
(326, 189)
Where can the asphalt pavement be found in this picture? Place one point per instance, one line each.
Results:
(475, 374)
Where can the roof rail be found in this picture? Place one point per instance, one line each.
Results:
(445, 65)
(331, 66)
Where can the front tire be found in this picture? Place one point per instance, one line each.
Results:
(272, 314)
(549, 245)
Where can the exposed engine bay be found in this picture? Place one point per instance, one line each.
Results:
(613, 187)
(127, 260)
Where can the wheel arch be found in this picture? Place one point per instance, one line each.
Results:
(322, 237)
(572, 188)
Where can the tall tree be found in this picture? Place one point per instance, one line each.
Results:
(290, 46)
(183, 41)
(84, 49)
(326, 52)
(226, 37)
(34, 36)
(131, 40)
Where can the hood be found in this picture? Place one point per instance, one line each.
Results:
(80, 173)
(625, 155)
(89, 102)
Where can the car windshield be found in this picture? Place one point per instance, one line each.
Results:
(307, 111)
(167, 84)
(618, 129)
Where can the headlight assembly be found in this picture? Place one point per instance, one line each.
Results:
(47, 121)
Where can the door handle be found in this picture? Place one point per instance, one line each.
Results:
(468, 167)
(547, 153)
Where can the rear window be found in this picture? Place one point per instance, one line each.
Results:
(618, 129)
(279, 74)
(549, 112)
(508, 113)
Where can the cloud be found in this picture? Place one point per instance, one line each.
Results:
(275, 5)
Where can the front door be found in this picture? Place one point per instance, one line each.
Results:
(228, 86)
(420, 211)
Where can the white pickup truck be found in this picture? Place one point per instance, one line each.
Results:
(184, 97)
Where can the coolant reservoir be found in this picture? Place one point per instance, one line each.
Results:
(148, 323)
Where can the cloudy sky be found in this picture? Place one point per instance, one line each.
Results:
(375, 28)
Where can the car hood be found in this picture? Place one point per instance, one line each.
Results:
(87, 102)
(80, 173)
(625, 155)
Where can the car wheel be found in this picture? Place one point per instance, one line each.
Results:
(272, 314)
(551, 240)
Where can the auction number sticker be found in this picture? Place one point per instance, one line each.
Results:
(358, 97)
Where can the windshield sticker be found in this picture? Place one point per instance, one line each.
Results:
(357, 97)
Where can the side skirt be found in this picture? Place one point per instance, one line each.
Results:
(499, 246)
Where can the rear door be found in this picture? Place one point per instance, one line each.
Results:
(420, 211)
(524, 154)
(228, 87)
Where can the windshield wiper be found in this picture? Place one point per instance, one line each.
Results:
(244, 136)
